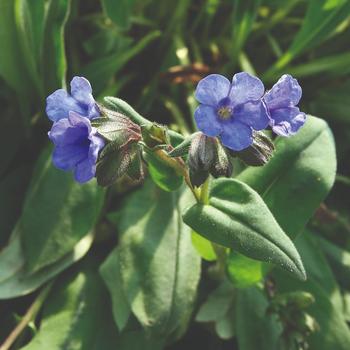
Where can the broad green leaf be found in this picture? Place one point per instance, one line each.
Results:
(163, 175)
(110, 272)
(56, 214)
(119, 11)
(16, 281)
(203, 246)
(76, 316)
(217, 303)
(299, 176)
(53, 52)
(328, 308)
(242, 271)
(317, 267)
(159, 267)
(12, 188)
(218, 308)
(339, 260)
(238, 218)
(255, 329)
(321, 20)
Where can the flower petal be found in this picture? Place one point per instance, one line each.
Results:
(67, 156)
(81, 90)
(253, 114)
(245, 87)
(207, 120)
(97, 143)
(287, 121)
(285, 93)
(77, 120)
(211, 89)
(60, 103)
(84, 171)
(237, 136)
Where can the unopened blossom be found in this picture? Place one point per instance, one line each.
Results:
(80, 100)
(76, 146)
(281, 101)
(231, 110)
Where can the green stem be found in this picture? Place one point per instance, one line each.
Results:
(218, 249)
(27, 318)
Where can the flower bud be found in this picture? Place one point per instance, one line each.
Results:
(222, 165)
(201, 156)
(259, 153)
(154, 135)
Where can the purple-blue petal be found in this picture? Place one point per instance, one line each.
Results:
(60, 103)
(77, 145)
(67, 156)
(285, 93)
(81, 90)
(245, 88)
(84, 171)
(211, 89)
(236, 136)
(287, 121)
(207, 120)
(253, 114)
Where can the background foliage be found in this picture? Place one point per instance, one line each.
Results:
(75, 258)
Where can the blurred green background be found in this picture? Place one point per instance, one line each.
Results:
(151, 54)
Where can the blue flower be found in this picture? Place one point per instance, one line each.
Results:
(76, 146)
(281, 101)
(231, 110)
(80, 100)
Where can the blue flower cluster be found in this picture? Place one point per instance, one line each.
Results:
(77, 143)
(233, 110)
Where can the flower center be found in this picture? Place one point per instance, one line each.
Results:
(225, 110)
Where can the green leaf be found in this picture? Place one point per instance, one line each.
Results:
(119, 11)
(321, 20)
(204, 247)
(163, 175)
(242, 271)
(56, 214)
(53, 52)
(299, 176)
(218, 308)
(13, 68)
(217, 304)
(339, 260)
(16, 281)
(328, 308)
(76, 316)
(255, 329)
(159, 267)
(110, 272)
(238, 218)
(245, 12)
(12, 188)
(100, 71)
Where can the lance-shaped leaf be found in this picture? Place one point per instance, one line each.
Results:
(298, 177)
(238, 218)
(159, 267)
